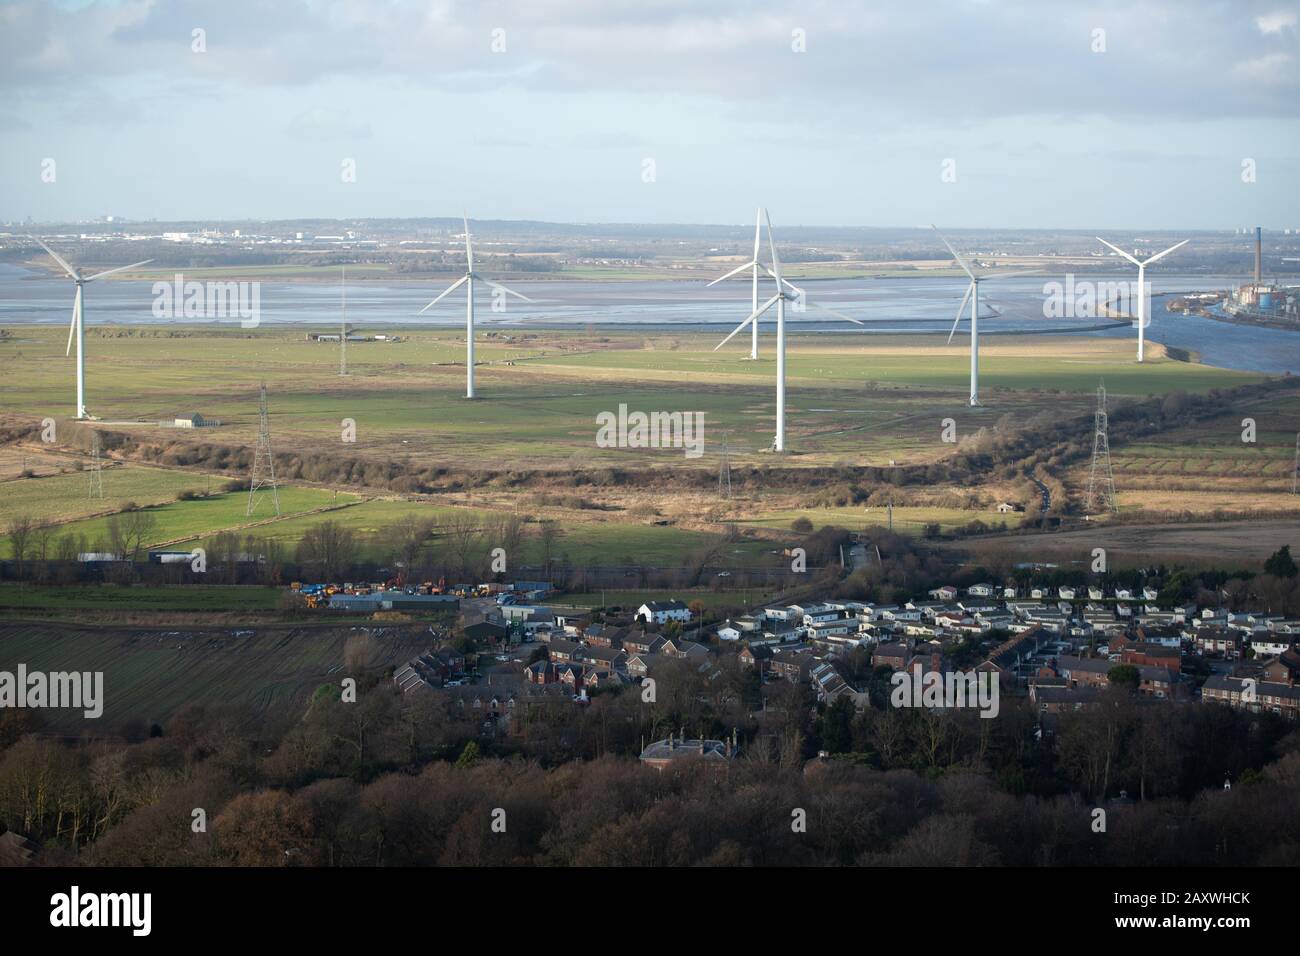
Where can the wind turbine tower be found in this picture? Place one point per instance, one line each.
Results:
(343, 328)
(795, 295)
(973, 294)
(77, 330)
(467, 280)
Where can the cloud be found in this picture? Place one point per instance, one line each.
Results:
(1276, 22)
(918, 63)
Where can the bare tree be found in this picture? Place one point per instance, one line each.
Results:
(138, 528)
(463, 540)
(508, 534)
(406, 540)
(20, 540)
(548, 536)
(328, 547)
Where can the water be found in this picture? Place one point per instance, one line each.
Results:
(904, 305)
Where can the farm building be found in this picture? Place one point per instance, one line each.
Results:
(192, 421)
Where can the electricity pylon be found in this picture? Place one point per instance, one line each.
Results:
(1101, 480)
(263, 461)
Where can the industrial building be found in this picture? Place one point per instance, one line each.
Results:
(393, 601)
(1263, 300)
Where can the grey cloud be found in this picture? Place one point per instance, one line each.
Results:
(920, 63)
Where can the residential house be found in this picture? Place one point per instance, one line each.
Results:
(660, 612)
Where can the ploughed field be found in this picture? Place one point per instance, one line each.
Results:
(259, 674)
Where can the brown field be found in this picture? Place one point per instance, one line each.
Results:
(1218, 544)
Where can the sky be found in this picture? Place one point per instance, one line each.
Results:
(1133, 115)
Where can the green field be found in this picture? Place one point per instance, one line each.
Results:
(184, 520)
(592, 542)
(66, 496)
(853, 400)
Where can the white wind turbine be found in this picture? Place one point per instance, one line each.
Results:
(77, 329)
(1142, 287)
(779, 301)
(754, 265)
(469, 277)
(973, 294)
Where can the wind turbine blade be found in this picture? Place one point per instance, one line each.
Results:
(785, 282)
(1119, 250)
(776, 260)
(838, 315)
(469, 248)
(76, 314)
(58, 258)
(446, 292)
(498, 285)
(109, 272)
(735, 271)
(741, 327)
(1161, 255)
(758, 229)
(960, 261)
(960, 309)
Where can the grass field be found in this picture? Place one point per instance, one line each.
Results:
(185, 520)
(583, 539)
(855, 398)
(852, 400)
(61, 497)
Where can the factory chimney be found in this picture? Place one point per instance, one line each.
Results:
(1258, 255)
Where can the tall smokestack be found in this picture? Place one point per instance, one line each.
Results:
(1259, 252)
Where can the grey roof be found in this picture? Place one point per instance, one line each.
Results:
(674, 749)
(665, 605)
